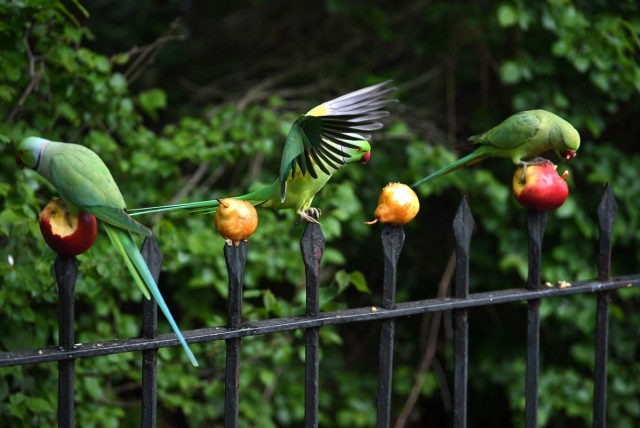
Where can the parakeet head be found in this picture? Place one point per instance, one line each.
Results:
(366, 158)
(355, 154)
(565, 139)
(29, 151)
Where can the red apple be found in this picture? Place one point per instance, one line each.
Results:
(541, 189)
(235, 220)
(67, 234)
(397, 204)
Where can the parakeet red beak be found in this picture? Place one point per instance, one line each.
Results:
(19, 162)
(568, 155)
(365, 158)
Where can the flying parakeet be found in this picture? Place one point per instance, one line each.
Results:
(319, 143)
(85, 184)
(521, 137)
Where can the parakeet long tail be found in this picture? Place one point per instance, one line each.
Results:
(471, 158)
(125, 245)
(257, 197)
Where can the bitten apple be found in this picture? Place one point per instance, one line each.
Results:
(236, 220)
(541, 188)
(397, 204)
(67, 234)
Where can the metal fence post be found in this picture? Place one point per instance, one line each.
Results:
(312, 248)
(463, 224)
(536, 223)
(66, 271)
(392, 243)
(153, 257)
(607, 210)
(236, 259)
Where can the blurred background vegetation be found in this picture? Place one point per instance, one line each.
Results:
(192, 99)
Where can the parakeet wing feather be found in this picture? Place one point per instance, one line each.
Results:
(319, 138)
(81, 177)
(511, 133)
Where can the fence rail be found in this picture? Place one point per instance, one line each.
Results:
(312, 247)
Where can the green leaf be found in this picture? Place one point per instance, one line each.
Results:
(38, 405)
(507, 15)
(359, 281)
(356, 278)
(118, 83)
(151, 101)
(510, 72)
(342, 279)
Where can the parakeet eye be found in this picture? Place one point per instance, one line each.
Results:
(19, 162)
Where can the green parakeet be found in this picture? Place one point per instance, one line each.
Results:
(85, 184)
(521, 138)
(320, 142)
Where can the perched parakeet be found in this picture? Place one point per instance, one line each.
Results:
(320, 142)
(85, 184)
(521, 137)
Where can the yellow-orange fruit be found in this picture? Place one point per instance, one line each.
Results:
(397, 204)
(236, 220)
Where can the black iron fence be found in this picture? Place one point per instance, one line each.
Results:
(312, 247)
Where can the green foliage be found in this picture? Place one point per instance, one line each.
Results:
(183, 119)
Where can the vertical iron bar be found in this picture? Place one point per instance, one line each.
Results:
(607, 210)
(66, 271)
(463, 224)
(392, 242)
(312, 248)
(153, 257)
(236, 259)
(536, 223)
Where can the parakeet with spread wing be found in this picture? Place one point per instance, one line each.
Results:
(85, 184)
(521, 137)
(319, 143)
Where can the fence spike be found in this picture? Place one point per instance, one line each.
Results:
(463, 225)
(153, 258)
(236, 259)
(607, 209)
(392, 242)
(536, 224)
(312, 249)
(66, 272)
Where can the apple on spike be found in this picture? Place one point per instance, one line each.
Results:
(541, 188)
(67, 234)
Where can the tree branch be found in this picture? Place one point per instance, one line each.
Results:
(430, 349)
(36, 75)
